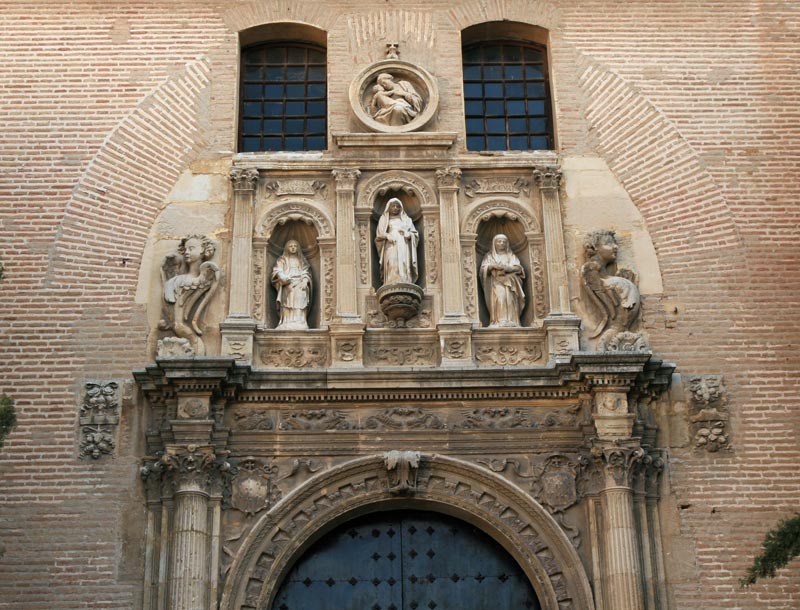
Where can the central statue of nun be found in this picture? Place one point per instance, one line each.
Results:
(396, 241)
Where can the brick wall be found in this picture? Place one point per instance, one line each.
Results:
(692, 104)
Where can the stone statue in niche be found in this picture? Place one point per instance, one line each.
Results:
(397, 240)
(501, 276)
(394, 103)
(291, 277)
(613, 292)
(190, 279)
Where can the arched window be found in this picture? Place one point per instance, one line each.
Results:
(506, 89)
(283, 97)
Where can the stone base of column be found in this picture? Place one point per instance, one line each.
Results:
(347, 344)
(237, 338)
(562, 335)
(455, 338)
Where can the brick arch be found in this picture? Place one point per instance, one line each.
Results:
(257, 13)
(501, 509)
(543, 13)
(119, 195)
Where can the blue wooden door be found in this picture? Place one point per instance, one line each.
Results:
(406, 560)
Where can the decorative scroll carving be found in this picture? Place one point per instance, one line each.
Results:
(294, 211)
(377, 319)
(99, 416)
(455, 348)
(401, 468)
(511, 210)
(347, 350)
(363, 252)
(281, 188)
(317, 419)
(537, 275)
(252, 419)
(250, 487)
(189, 280)
(505, 355)
(486, 186)
(501, 418)
(327, 292)
(401, 356)
(431, 250)
(259, 290)
(708, 412)
(293, 357)
(469, 282)
(613, 294)
(244, 179)
(404, 418)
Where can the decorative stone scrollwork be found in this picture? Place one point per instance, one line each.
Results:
(505, 355)
(708, 412)
(537, 274)
(401, 468)
(401, 356)
(317, 419)
(394, 96)
(282, 188)
(189, 280)
(487, 186)
(499, 418)
(613, 294)
(252, 420)
(404, 418)
(469, 282)
(259, 289)
(377, 319)
(99, 416)
(293, 357)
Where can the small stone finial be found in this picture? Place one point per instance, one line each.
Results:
(392, 50)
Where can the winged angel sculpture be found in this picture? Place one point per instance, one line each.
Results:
(190, 279)
(612, 291)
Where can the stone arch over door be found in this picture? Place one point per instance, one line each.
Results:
(443, 484)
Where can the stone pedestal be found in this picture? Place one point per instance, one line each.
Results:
(456, 343)
(347, 344)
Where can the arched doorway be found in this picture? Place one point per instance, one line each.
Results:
(406, 560)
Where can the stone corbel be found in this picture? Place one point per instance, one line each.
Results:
(239, 327)
(401, 468)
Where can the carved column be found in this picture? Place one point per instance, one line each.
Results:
(239, 327)
(622, 569)
(190, 468)
(454, 326)
(346, 264)
(562, 326)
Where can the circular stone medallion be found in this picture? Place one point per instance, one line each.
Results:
(394, 96)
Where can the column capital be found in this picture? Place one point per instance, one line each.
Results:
(619, 462)
(190, 467)
(448, 177)
(346, 178)
(244, 179)
(548, 177)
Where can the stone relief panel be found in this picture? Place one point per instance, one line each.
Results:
(189, 279)
(708, 412)
(298, 357)
(295, 187)
(405, 418)
(499, 185)
(316, 419)
(252, 420)
(403, 346)
(612, 293)
(249, 485)
(98, 420)
(394, 96)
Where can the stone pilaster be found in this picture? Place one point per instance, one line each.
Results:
(190, 468)
(455, 329)
(622, 569)
(346, 264)
(239, 327)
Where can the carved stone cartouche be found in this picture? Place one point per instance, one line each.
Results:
(613, 293)
(189, 280)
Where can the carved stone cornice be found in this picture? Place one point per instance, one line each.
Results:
(448, 178)
(244, 179)
(346, 178)
(548, 177)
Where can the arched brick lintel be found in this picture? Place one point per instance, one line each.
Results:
(445, 484)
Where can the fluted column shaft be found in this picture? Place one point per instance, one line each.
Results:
(622, 566)
(190, 552)
(452, 281)
(346, 264)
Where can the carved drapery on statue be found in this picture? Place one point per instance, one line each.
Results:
(189, 281)
(613, 293)
(291, 277)
(501, 276)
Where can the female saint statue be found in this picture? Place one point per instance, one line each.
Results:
(501, 276)
(396, 241)
(394, 102)
(291, 277)
(189, 280)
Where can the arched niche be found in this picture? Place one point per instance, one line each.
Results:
(482, 221)
(443, 484)
(413, 208)
(313, 228)
(306, 235)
